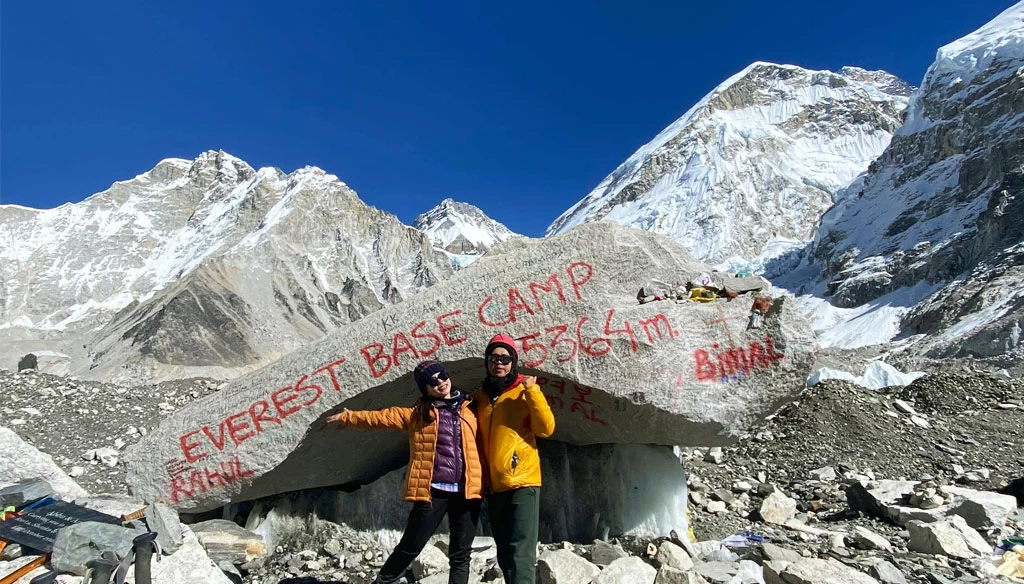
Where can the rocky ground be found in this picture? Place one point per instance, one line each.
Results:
(957, 427)
(85, 425)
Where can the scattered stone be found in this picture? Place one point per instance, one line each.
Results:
(628, 570)
(904, 407)
(333, 548)
(717, 572)
(776, 553)
(814, 571)
(189, 564)
(107, 456)
(430, 561)
(715, 455)
(564, 567)
(981, 509)
(865, 539)
(20, 461)
(741, 487)
(777, 508)
(604, 553)
(952, 537)
(669, 575)
(224, 541)
(165, 522)
(76, 544)
(24, 492)
(824, 474)
(886, 573)
(673, 556)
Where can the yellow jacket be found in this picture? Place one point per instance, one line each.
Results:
(422, 444)
(509, 429)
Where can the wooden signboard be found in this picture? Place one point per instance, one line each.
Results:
(37, 528)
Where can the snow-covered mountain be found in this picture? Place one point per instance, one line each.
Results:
(930, 240)
(202, 266)
(461, 230)
(758, 159)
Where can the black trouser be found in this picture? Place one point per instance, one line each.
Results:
(515, 522)
(423, 521)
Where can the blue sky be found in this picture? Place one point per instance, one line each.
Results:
(520, 108)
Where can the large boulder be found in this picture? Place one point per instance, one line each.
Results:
(20, 461)
(615, 371)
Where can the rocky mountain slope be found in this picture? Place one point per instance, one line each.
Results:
(201, 267)
(815, 460)
(931, 233)
(461, 230)
(757, 160)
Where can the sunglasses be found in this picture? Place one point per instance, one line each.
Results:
(503, 359)
(438, 378)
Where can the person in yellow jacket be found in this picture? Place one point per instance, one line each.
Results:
(444, 476)
(512, 413)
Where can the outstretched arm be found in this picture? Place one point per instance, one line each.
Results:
(386, 419)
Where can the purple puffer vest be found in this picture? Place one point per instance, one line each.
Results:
(448, 460)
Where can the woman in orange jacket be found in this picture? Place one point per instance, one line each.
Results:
(444, 475)
(512, 413)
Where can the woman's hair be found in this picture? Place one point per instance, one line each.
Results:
(424, 409)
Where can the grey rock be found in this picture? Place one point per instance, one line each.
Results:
(703, 550)
(628, 570)
(20, 461)
(189, 564)
(564, 567)
(777, 508)
(76, 544)
(886, 573)
(673, 556)
(716, 507)
(865, 539)
(717, 572)
(724, 495)
(225, 541)
(904, 407)
(825, 474)
(715, 455)
(24, 492)
(165, 522)
(669, 575)
(430, 561)
(816, 571)
(951, 537)
(981, 509)
(333, 548)
(604, 553)
(116, 505)
(776, 553)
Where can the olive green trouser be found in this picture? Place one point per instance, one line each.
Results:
(515, 517)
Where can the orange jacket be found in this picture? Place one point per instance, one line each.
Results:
(509, 429)
(422, 443)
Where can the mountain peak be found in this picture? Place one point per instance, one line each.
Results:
(758, 159)
(461, 229)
